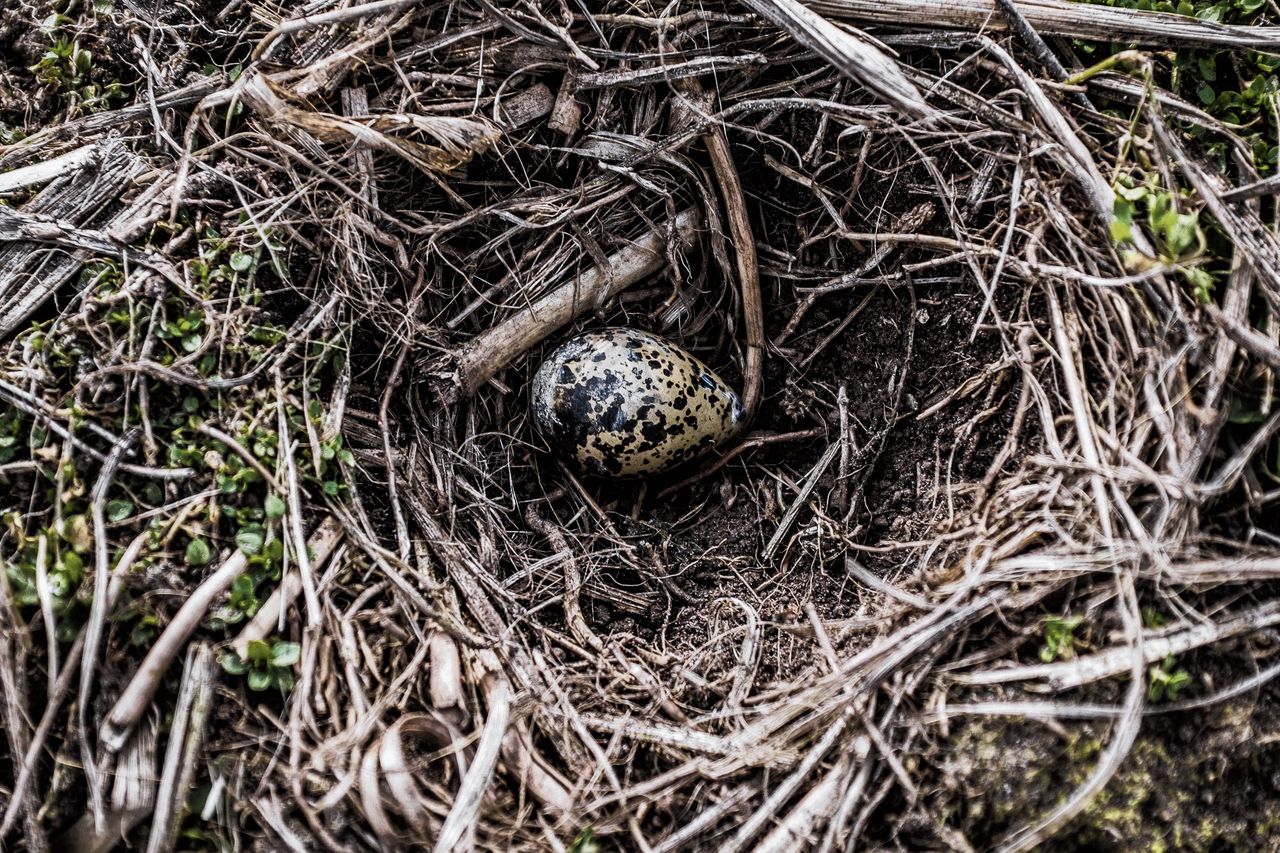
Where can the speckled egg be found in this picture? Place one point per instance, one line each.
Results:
(624, 403)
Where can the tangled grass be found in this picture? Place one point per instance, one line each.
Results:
(272, 289)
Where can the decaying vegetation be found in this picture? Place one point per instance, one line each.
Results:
(286, 569)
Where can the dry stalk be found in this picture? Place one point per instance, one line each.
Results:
(187, 733)
(480, 359)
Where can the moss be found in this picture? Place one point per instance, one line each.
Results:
(1122, 809)
(1207, 784)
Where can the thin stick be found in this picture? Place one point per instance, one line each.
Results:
(46, 609)
(293, 521)
(52, 711)
(744, 245)
(852, 53)
(186, 735)
(482, 357)
(466, 803)
(1059, 18)
(306, 22)
(97, 617)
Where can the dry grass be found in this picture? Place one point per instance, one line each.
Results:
(432, 191)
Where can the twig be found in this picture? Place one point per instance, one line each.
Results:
(786, 788)
(1061, 18)
(481, 358)
(459, 824)
(132, 798)
(60, 689)
(572, 580)
(97, 618)
(186, 736)
(306, 22)
(293, 522)
(802, 496)
(44, 413)
(744, 245)
(39, 173)
(243, 452)
(1122, 739)
(852, 53)
(797, 828)
(14, 646)
(1156, 646)
(1027, 33)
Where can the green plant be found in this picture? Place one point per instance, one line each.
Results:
(267, 664)
(1059, 638)
(11, 422)
(1236, 87)
(1164, 682)
(64, 565)
(67, 67)
(242, 600)
(144, 630)
(1153, 619)
(186, 330)
(1179, 238)
(585, 842)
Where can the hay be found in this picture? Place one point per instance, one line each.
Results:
(433, 191)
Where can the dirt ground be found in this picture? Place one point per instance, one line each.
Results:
(821, 640)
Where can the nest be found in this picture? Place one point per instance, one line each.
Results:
(274, 317)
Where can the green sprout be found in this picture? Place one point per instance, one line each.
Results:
(266, 664)
(585, 842)
(1164, 682)
(1059, 638)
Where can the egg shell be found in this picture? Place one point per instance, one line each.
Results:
(624, 403)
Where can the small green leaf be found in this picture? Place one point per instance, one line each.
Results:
(119, 509)
(285, 654)
(274, 552)
(259, 651)
(1153, 619)
(198, 553)
(1201, 282)
(249, 539)
(585, 842)
(283, 679)
(274, 506)
(1122, 224)
(259, 679)
(241, 261)
(72, 566)
(75, 530)
(1181, 233)
(233, 665)
(1208, 68)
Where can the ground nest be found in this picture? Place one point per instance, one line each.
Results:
(286, 565)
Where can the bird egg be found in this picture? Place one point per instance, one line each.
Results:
(624, 403)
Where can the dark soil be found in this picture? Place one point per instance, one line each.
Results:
(716, 530)
(1203, 780)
